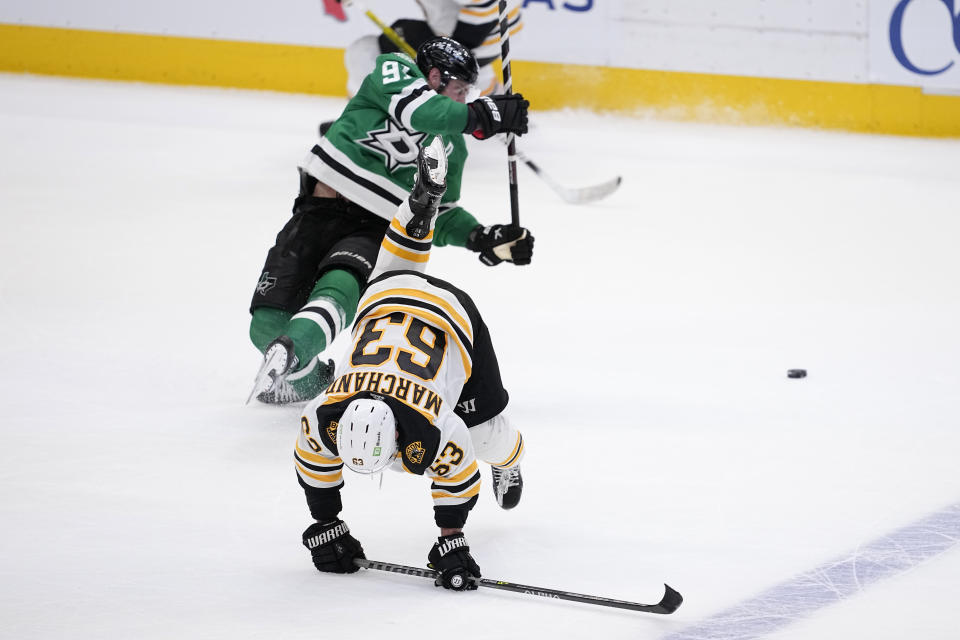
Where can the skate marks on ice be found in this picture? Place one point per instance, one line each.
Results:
(833, 581)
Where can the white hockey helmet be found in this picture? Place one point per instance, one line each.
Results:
(367, 436)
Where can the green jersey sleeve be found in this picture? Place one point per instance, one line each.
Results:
(453, 227)
(402, 91)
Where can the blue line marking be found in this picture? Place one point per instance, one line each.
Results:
(833, 581)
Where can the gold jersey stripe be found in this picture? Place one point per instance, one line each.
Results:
(399, 229)
(460, 477)
(321, 477)
(511, 15)
(400, 252)
(513, 454)
(495, 39)
(427, 297)
(469, 493)
(480, 13)
(314, 457)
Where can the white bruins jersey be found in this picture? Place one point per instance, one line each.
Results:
(412, 348)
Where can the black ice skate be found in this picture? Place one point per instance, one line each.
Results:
(428, 187)
(507, 486)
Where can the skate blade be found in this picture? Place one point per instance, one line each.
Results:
(266, 376)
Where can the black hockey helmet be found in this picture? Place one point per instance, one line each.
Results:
(454, 60)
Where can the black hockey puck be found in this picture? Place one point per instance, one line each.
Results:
(796, 373)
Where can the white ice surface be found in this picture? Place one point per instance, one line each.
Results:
(645, 352)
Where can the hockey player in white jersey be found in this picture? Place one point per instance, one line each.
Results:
(419, 391)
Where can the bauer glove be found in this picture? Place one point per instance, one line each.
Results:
(332, 547)
(490, 115)
(501, 242)
(450, 557)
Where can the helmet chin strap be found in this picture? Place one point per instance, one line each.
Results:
(374, 476)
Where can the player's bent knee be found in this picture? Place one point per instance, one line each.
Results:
(497, 441)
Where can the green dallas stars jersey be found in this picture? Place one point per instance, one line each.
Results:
(369, 154)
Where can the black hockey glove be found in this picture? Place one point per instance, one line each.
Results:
(450, 556)
(497, 114)
(501, 242)
(332, 547)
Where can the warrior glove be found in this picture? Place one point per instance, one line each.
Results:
(456, 568)
(501, 242)
(332, 547)
(490, 115)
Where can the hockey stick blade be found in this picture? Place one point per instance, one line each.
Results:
(581, 195)
(669, 603)
(584, 195)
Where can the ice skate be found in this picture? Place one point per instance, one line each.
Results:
(299, 386)
(282, 392)
(507, 485)
(428, 188)
(278, 360)
(280, 382)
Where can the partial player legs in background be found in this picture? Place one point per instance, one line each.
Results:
(499, 444)
(359, 59)
(308, 290)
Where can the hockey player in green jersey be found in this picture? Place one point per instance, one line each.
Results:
(351, 183)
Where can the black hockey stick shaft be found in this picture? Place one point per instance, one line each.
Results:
(508, 89)
(668, 604)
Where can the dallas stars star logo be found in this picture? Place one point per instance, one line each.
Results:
(397, 145)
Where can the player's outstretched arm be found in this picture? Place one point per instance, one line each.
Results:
(491, 115)
(456, 484)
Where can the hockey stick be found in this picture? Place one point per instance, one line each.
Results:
(508, 89)
(573, 195)
(668, 604)
(392, 35)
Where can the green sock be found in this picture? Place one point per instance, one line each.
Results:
(333, 301)
(266, 325)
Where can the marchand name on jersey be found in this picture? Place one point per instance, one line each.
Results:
(406, 391)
